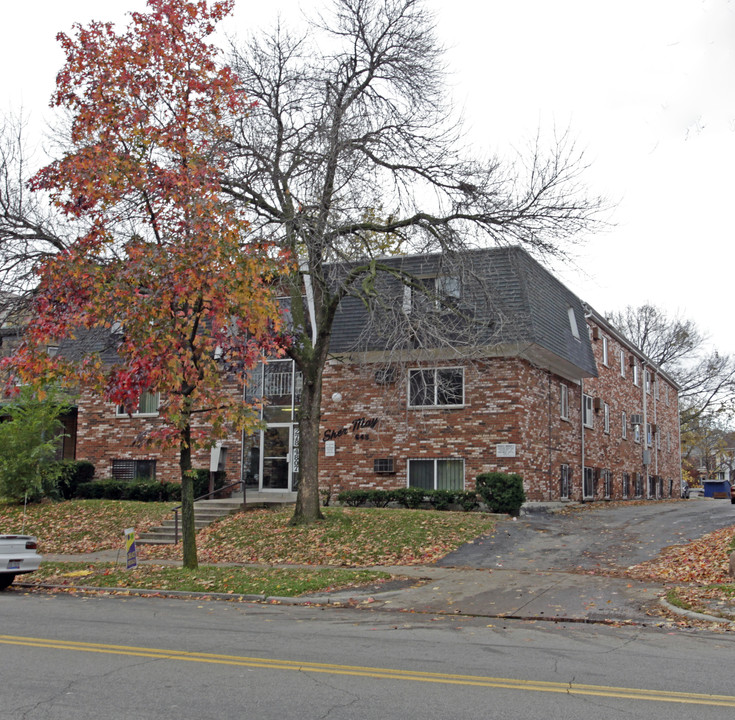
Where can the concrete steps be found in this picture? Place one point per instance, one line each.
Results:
(207, 511)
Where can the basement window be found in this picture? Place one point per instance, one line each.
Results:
(132, 470)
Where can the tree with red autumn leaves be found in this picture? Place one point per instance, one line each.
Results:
(166, 266)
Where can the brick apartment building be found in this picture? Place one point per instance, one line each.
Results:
(535, 382)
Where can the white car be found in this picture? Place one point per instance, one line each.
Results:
(17, 556)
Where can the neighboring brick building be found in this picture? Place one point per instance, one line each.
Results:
(533, 382)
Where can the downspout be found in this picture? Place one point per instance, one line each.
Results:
(581, 424)
(656, 443)
(645, 430)
(549, 490)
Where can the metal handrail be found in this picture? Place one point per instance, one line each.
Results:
(175, 511)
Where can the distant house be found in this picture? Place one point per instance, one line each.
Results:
(530, 380)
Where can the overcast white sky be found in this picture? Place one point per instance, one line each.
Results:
(647, 87)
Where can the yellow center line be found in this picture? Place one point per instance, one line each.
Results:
(378, 673)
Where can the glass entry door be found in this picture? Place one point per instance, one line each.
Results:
(279, 457)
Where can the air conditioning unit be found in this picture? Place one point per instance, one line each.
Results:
(636, 420)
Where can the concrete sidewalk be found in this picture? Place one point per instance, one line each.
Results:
(509, 594)
(479, 592)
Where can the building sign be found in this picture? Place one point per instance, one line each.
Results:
(505, 450)
(356, 427)
(130, 551)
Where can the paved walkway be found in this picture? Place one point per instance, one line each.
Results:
(543, 566)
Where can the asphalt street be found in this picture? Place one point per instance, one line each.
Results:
(70, 657)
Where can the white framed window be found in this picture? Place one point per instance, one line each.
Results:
(604, 351)
(438, 387)
(626, 484)
(636, 378)
(431, 292)
(573, 323)
(564, 401)
(147, 405)
(436, 474)
(588, 414)
(637, 433)
(624, 418)
(565, 485)
(649, 435)
(622, 363)
(606, 416)
(648, 381)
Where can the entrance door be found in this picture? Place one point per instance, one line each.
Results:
(280, 458)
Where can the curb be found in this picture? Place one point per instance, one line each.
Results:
(351, 601)
(692, 615)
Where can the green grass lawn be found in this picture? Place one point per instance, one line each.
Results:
(345, 541)
(286, 582)
(350, 537)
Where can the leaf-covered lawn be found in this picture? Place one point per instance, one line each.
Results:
(81, 526)
(287, 582)
(703, 561)
(353, 537)
(702, 565)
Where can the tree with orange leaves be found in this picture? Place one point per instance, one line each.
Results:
(165, 266)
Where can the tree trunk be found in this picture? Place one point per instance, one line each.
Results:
(188, 528)
(307, 509)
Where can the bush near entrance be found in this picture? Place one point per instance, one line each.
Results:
(502, 492)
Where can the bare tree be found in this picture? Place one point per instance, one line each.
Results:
(706, 377)
(350, 153)
(30, 229)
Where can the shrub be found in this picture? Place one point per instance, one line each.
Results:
(502, 492)
(354, 498)
(201, 481)
(71, 473)
(409, 497)
(29, 439)
(440, 499)
(380, 498)
(466, 500)
(125, 490)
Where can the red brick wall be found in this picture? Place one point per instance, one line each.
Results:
(507, 400)
(103, 437)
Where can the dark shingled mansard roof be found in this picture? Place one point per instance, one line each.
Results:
(531, 308)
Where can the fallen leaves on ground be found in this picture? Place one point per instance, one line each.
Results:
(80, 526)
(348, 537)
(703, 565)
(703, 561)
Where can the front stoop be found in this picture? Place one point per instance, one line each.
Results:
(207, 511)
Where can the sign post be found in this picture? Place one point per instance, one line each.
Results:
(130, 551)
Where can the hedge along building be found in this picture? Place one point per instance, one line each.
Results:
(455, 366)
(451, 367)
